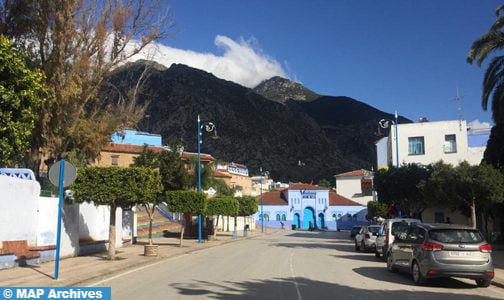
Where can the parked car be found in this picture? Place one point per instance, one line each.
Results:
(442, 250)
(390, 228)
(365, 240)
(355, 229)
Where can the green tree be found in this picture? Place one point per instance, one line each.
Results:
(116, 187)
(147, 159)
(78, 45)
(187, 202)
(377, 209)
(324, 182)
(22, 93)
(248, 206)
(477, 188)
(401, 187)
(222, 206)
(492, 42)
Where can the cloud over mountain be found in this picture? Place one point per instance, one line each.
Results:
(242, 62)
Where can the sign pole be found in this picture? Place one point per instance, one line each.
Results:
(60, 205)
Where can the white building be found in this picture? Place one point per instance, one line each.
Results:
(355, 185)
(429, 142)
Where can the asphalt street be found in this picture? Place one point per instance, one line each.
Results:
(284, 265)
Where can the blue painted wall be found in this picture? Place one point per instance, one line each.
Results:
(133, 137)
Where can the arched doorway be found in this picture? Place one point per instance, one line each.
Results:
(321, 220)
(308, 217)
(297, 221)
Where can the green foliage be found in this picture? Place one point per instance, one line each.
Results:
(401, 186)
(248, 205)
(186, 202)
(21, 94)
(121, 187)
(377, 209)
(147, 159)
(223, 205)
(324, 182)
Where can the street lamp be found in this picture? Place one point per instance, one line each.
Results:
(262, 211)
(385, 123)
(209, 127)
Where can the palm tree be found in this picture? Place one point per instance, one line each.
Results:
(493, 84)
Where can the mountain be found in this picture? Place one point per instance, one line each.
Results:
(281, 89)
(294, 140)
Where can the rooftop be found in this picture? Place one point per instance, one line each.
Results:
(354, 173)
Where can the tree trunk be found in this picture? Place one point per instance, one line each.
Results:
(227, 230)
(215, 229)
(487, 233)
(151, 219)
(235, 223)
(473, 212)
(112, 232)
(182, 235)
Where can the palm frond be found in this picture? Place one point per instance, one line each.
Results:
(497, 99)
(489, 42)
(499, 10)
(499, 24)
(493, 76)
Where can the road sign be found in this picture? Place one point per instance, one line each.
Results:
(70, 173)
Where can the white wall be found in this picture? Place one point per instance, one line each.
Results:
(350, 187)
(18, 209)
(27, 216)
(434, 139)
(381, 153)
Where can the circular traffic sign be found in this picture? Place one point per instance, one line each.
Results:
(70, 173)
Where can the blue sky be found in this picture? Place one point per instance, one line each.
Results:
(395, 55)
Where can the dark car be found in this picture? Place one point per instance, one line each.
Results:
(355, 229)
(442, 250)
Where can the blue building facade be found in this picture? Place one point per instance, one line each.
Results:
(302, 205)
(133, 137)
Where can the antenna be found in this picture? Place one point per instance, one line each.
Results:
(458, 99)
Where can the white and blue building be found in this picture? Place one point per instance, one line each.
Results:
(300, 205)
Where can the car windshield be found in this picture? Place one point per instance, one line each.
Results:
(456, 236)
(374, 229)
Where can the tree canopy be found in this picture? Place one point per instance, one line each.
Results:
(22, 93)
(222, 205)
(186, 202)
(117, 187)
(248, 205)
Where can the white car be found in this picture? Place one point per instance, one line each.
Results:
(365, 240)
(390, 228)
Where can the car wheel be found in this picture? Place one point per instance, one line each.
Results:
(377, 254)
(390, 264)
(483, 282)
(363, 246)
(357, 248)
(417, 275)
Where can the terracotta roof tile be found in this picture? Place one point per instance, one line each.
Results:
(337, 199)
(203, 156)
(354, 173)
(221, 174)
(273, 198)
(127, 148)
(304, 186)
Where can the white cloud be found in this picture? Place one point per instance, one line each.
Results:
(476, 124)
(242, 62)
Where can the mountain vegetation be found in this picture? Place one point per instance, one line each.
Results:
(295, 140)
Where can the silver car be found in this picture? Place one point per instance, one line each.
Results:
(442, 250)
(365, 240)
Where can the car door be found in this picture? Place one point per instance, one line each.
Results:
(411, 248)
(400, 248)
(358, 236)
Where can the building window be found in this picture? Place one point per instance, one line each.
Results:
(334, 217)
(450, 144)
(278, 217)
(416, 145)
(115, 160)
(266, 217)
(284, 217)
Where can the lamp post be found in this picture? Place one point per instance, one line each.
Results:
(385, 123)
(262, 211)
(209, 127)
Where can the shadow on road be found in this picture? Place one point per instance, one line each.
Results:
(313, 234)
(303, 245)
(361, 257)
(285, 288)
(381, 274)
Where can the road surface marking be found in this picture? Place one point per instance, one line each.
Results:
(294, 277)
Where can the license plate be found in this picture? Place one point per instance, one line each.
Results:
(460, 253)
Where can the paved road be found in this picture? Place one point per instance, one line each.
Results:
(284, 265)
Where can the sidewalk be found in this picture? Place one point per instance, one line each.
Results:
(81, 270)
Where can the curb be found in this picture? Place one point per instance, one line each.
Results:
(158, 259)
